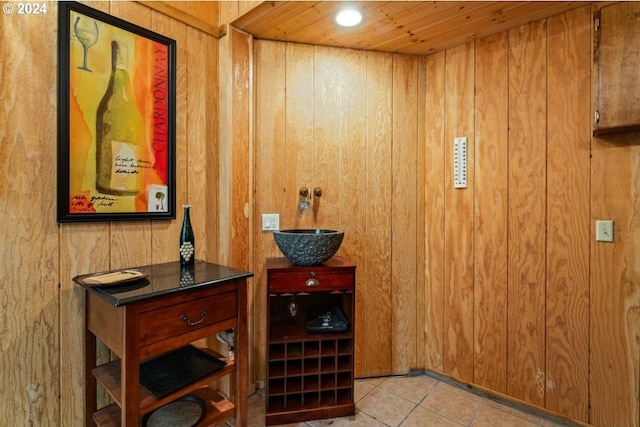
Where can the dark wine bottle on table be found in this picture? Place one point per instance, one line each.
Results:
(187, 240)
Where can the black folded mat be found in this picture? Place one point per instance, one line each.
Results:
(170, 372)
(330, 320)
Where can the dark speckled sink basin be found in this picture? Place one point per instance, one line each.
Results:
(308, 246)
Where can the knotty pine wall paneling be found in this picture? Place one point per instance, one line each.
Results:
(459, 219)
(232, 159)
(207, 11)
(419, 362)
(377, 315)
(299, 132)
(431, 309)
(29, 268)
(201, 164)
(353, 182)
(222, 163)
(242, 186)
(269, 176)
(491, 213)
(326, 165)
(568, 226)
(235, 147)
(83, 248)
(614, 365)
(404, 208)
(527, 212)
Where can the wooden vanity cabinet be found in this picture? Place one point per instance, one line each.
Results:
(309, 375)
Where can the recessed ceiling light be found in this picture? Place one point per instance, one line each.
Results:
(349, 17)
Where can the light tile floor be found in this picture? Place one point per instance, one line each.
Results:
(417, 401)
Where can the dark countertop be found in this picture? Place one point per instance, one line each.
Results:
(164, 279)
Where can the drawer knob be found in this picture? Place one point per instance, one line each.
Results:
(184, 318)
(311, 283)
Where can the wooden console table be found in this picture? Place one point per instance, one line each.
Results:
(171, 309)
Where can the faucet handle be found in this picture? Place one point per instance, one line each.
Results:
(304, 192)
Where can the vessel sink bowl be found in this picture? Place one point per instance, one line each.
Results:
(308, 246)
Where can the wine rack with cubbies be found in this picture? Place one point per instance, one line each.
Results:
(309, 375)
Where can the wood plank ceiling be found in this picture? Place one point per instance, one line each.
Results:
(411, 27)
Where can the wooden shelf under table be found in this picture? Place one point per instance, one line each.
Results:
(217, 409)
(109, 376)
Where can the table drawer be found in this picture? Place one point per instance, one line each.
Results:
(167, 322)
(310, 281)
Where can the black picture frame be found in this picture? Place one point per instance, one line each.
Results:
(116, 125)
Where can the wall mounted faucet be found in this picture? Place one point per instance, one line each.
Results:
(305, 196)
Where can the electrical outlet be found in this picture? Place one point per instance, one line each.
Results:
(270, 222)
(460, 162)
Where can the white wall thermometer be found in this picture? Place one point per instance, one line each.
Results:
(460, 162)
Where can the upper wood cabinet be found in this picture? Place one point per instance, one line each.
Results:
(617, 67)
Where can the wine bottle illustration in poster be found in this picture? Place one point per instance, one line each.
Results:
(119, 132)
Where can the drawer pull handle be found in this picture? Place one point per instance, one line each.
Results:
(184, 318)
(312, 283)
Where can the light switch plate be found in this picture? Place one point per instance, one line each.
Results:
(270, 222)
(604, 231)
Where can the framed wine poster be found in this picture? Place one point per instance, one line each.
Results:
(116, 118)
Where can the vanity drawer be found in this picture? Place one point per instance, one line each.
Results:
(310, 281)
(174, 320)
